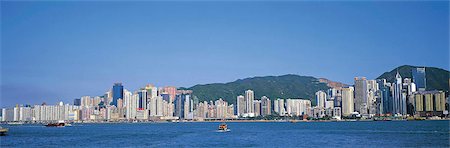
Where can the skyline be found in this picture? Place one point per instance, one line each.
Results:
(193, 43)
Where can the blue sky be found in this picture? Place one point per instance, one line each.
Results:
(53, 51)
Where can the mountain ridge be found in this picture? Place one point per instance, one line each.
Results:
(297, 86)
(283, 86)
(436, 78)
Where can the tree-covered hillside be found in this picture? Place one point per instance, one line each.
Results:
(437, 79)
(285, 86)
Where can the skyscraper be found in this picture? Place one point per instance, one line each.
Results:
(77, 102)
(347, 101)
(276, 107)
(131, 104)
(172, 91)
(159, 106)
(385, 97)
(257, 107)
(142, 101)
(241, 105)
(372, 88)
(419, 78)
(297, 107)
(180, 104)
(265, 106)
(117, 93)
(249, 98)
(399, 103)
(321, 97)
(281, 109)
(152, 93)
(361, 95)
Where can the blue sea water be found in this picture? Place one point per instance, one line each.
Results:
(253, 134)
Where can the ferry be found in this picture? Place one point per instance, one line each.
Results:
(223, 128)
(3, 131)
(58, 124)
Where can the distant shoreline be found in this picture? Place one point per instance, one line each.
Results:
(229, 121)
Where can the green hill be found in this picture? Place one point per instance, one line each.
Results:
(285, 86)
(437, 79)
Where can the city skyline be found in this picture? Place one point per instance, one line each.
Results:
(183, 44)
(374, 99)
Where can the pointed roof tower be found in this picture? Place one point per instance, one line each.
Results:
(398, 75)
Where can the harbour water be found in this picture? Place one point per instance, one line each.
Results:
(248, 134)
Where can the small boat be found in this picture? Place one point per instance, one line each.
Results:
(3, 131)
(58, 124)
(223, 128)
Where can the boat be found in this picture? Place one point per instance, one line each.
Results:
(15, 123)
(223, 128)
(3, 131)
(58, 124)
(382, 119)
(414, 119)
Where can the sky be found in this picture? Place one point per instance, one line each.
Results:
(57, 51)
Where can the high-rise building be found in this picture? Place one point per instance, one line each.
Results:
(265, 106)
(249, 97)
(321, 97)
(77, 102)
(172, 91)
(429, 103)
(297, 107)
(221, 109)
(152, 93)
(108, 97)
(372, 88)
(257, 107)
(384, 97)
(399, 103)
(86, 101)
(241, 105)
(275, 106)
(361, 95)
(279, 107)
(419, 78)
(180, 104)
(131, 104)
(142, 101)
(347, 101)
(159, 106)
(117, 93)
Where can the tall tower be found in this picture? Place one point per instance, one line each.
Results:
(265, 106)
(320, 98)
(347, 101)
(399, 102)
(249, 97)
(117, 93)
(152, 92)
(241, 105)
(419, 78)
(361, 95)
